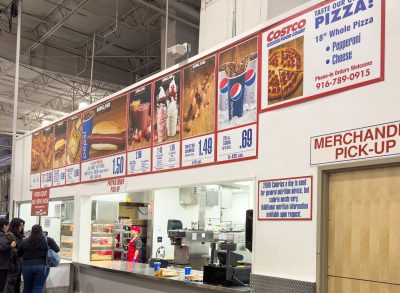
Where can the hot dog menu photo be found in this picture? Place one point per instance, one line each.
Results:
(35, 159)
(60, 132)
(198, 123)
(139, 130)
(332, 46)
(166, 122)
(46, 156)
(104, 140)
(237, 101)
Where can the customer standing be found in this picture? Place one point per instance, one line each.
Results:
(33, 250)
(15, 233)
(6, 246)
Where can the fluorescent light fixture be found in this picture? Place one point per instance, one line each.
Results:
(82, 105)
(46, 122)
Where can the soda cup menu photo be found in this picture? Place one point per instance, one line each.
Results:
(237, 85)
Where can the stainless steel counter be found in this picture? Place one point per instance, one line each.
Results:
(141, 276)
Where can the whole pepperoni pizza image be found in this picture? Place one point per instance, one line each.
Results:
(285, 72)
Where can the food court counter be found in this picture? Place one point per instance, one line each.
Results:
(109, 276)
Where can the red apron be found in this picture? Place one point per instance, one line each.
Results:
(131, 252)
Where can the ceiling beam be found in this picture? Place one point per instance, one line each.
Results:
(31, 106)
(162, 11)
(58, 16)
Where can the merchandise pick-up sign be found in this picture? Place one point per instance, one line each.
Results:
(356, 144)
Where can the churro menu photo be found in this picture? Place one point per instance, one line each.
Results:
(199, 98)
(330, 47)
(104, 136)
(198, 115)
(237, 85)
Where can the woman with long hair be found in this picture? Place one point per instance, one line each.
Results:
(33, 250)
(15, 233)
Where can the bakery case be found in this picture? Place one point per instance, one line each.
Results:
(102, 241)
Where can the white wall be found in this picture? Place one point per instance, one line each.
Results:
(224, 19)
(166, 207)
(285, 249)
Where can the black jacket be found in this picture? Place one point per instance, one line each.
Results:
(36, 256)
(5, 251)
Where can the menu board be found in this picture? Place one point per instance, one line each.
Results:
(166, 122)
(60, 133)
(104, 140)
(237, 101)
(73, 156)
(199, 111)
(322, 51)
(139, 131)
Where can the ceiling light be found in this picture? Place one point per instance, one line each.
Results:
(82, 105)
(46, 122)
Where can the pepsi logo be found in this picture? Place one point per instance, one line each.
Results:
(236, 91)
(250, 77)
(223, 86)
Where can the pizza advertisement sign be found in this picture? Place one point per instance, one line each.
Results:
(321, 51)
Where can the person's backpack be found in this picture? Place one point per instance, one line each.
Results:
(52, 257)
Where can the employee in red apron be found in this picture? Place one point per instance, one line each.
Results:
(134, 246)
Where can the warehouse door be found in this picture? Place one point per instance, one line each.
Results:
(364, 231)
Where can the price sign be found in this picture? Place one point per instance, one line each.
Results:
(104, 168)
(46, 179)
(72, 174)
(139, 161)
(166, 156)
(198, 151)
(35, 181)
(238, 143)
(59, 177)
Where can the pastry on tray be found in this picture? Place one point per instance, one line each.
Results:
(166, 273)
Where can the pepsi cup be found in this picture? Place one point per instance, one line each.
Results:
(157, 266)
(86, 131)
(236, 95)
(222, 90)
(250, 88)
